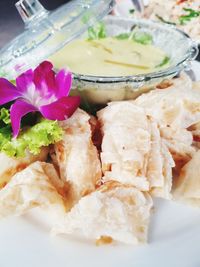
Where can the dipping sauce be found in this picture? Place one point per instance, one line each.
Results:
(110, 57)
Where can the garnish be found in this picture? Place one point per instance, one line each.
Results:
(5, 116)
(143, 37)
(165, 21)
(97, 32)
(137, 36)
(180, 2)
(191, 14)
(132, 11)
(123, 36)
(43, 133)
(113, 62)
(86, 18)
(99, 45)
(40, 91)
(164, 62)
(2, 73)
(5, 127)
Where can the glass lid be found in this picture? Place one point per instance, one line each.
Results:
(48, 31)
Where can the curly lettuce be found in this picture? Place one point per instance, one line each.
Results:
(5, 116)
(43, 133)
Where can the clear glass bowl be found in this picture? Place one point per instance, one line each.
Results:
(48, 31)
(177, 45)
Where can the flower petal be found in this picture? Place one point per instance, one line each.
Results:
(8, 92)
(61, 109)
(18, 110)
(25, 81)
(63, 82)
(44, 79)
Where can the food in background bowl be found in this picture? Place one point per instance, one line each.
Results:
(121, 55)
(184, 14)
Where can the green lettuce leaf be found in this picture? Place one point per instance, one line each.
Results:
(5, 116)
(43, 133)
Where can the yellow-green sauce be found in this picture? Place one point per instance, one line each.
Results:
(110, 57)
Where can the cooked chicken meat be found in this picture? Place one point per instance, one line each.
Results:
(77, 157)
(159, 166)
(10, 166)
(177, 106)
(187, 185)
(175, 109)
(132, 149)
(36, 185)
(115, 211)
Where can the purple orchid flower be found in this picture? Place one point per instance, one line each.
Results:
(39, 90)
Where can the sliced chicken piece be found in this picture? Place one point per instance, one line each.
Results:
(177, 106)
(187, 185)
(155, 160)
(179, 141)
(196, 85)
(77, 157)
(36, 185)
(114, 212)
(133, 150)
(160, 164)
(180, 144)
(164, 191)
(10, 166)
(126, 144)
(195, 132)
(175, 109)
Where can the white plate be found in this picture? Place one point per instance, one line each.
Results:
(174, 241)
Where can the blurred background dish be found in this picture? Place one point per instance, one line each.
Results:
(184, 14)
